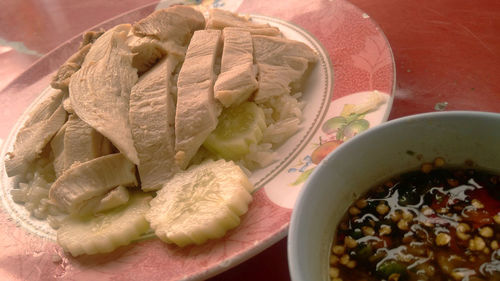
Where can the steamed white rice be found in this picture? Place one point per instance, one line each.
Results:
(283, 117)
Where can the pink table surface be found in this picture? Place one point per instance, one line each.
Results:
(446, 51)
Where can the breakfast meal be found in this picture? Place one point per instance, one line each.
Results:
(437, 223)
(156, 126)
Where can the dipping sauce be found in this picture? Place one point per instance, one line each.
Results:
(433, 224)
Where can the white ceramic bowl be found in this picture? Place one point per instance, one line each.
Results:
(371, 157)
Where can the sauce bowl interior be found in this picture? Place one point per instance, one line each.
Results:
(373, 156)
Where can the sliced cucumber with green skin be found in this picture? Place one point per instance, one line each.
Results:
(238, 128)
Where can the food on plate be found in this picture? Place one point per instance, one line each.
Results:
(161, 107)
(82, 142)
(57, 147)
(175, 24)
(282, 65)
(152, 118)
(220, 19)
(197, 110)
(73, 64)
(200, 203)
(438, 223)
(164, 32)
(42, 124)
(84, 181)
(106, 231)
(239, 127)
(100, 90)
(116, 197)
(237, 79)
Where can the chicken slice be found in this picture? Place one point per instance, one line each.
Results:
(176, 24)
(267, 31)
(42, 124)
(84, 181)
(81, 142)
(220, 19)
(236, 86)
(200, 60)
(277, 80)
(69, 67)
(271, 50)
(237, 80)
(197, 110)
(283, 64)
(66, 103)
(152, 118)
(46, 109)
(57, 147)
(237, 50)
(116, 197)
(90, 37)
(100, 90)
(148, 50)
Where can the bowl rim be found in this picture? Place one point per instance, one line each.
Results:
(293, 239)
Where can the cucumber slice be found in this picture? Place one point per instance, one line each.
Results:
(200, 203)
(238, 128)
(107, 231)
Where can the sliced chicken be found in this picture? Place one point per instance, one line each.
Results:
(148, 50)
(277, 80)
(267, 31)
(100, 90)
(57, 147)
(152, 118)
(75, 142)
(197, 110)
(68, 68)
(84, 181)
(283, 64)
(237, 50)
(45, 109)
(90, 37)
(274, 50)
(66, 103)
(42, 124)
(176, 24)
(81, 142)
(220, 19)
(116, 197)
(237, 80)
(107, 147)
(63, 75)
(236, 86)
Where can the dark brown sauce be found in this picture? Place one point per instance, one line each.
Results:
(432, 224)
